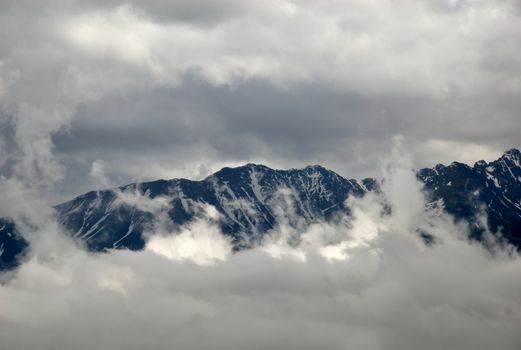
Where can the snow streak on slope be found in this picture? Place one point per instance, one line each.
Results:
(244, 197)
(247, 199)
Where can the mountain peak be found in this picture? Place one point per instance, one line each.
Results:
(234, 171)
(315, 167)
(255, 166)
(511, 154)
(480, 164)
(243, 196)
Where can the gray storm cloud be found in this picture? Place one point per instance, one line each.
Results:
(163, 89)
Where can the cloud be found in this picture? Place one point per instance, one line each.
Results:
(133, 197)
(175, 88)
(201, 242)
(368, 282)
(311, 41)
(168, 89)
(308, 82)
(97, 171)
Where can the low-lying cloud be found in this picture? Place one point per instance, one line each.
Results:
(364, 282)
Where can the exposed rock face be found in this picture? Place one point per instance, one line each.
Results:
(247, 198)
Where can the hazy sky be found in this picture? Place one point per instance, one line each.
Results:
(142, 90)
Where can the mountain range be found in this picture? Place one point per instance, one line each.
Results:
(249, 200)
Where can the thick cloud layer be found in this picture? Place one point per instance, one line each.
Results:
(368, 282)
(176, 88)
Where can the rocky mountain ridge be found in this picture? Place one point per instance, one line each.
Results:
(248, 199)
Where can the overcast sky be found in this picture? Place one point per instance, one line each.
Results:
(101, 93)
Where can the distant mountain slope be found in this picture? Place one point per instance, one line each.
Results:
(494, 187)
(244, 196)
(247, 198)
(11, 245)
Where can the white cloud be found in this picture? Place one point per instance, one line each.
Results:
(97, 171)
(142, 201)
(366, 46)
(200, 242)
(391, 292)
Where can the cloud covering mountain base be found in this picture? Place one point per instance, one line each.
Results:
(365, 282)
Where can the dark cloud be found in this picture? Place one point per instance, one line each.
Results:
(198, 13)
(163, 89)
(309, 124)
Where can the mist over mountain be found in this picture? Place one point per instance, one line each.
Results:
(252, 199)
(359, 275)
(492, 189)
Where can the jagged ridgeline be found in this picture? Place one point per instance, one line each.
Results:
(247, 198)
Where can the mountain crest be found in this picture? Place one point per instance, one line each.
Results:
(247, 198)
